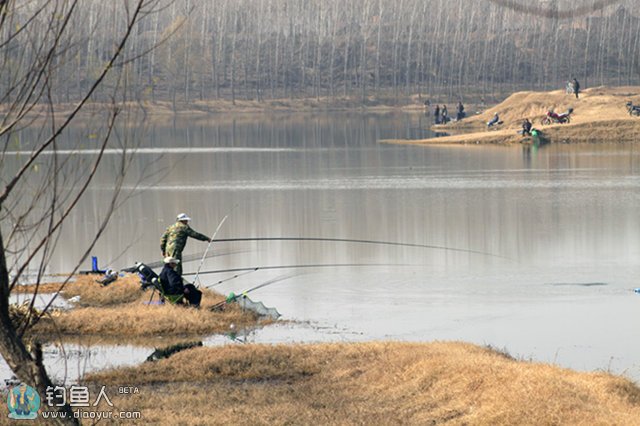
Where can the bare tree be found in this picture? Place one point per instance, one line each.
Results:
(42, 180)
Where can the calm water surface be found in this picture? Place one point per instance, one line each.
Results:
(559, 226)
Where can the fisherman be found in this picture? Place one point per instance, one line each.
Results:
(494, 121)
(175, 237)
(445, 114)
(526, 127)
(436, 114)
(460, 111)
(172, 283)
(576, 87)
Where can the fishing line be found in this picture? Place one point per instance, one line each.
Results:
(230, 278)
(192, 257)
(318, 265)
(344, 240)
(554, 13)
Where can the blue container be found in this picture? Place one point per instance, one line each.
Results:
(94, 263)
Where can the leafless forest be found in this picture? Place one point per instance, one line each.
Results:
(365, 49)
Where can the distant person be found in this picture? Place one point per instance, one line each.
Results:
(526, 127)
(172, 283)
(427, 104)
(494, 121)
(445, 115)
(175, 237)
(436, 114)
(459, 111)
(576, 87)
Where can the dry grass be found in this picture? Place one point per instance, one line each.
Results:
(599, 115)
(371, 383)
(138, 320)
(124, 290)
(119, 311)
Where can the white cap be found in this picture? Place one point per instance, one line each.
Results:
(183, 216)
(171, 260)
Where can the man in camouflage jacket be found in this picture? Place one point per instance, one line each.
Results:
(175, 238)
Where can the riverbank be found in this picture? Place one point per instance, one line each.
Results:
(162, 110)
(599, 115)
(367, 383)
(121, 310)
(372, 383)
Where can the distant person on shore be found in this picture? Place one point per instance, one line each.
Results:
(576, 87)
(436, 114)
(526, 127)
(445, 115)
(172, 283)
(175, 237)
(494, 121)
(460, 111)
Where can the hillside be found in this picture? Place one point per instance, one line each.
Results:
(599, 115)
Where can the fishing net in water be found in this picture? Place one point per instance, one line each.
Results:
(256, 307)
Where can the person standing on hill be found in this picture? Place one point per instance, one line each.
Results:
(175, 237)
(576, 87)
(526, 127)
(445, 115)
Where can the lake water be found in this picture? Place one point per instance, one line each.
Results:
(558, 225)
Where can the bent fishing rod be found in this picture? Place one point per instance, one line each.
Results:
(195, 279)
(345, 240)
(316, 265)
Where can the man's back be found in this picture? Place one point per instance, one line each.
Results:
(171, 281)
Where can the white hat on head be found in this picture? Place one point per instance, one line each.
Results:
(171, 260)
(183, 216)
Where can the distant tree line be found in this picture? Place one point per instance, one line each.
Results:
(269, 49)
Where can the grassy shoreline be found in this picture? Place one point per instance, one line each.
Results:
(121, 310)
(369, 383)
(335, 383)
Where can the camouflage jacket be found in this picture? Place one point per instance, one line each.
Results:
(175, 238)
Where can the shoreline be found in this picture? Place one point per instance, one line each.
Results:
(599, 116)
(370, 383)
(360, 382)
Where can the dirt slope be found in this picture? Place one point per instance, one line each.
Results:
(599, 115)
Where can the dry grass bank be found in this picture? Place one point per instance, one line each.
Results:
(370, 383)
(599, 115)
(138, 320)
(119, 310)
(124, 290)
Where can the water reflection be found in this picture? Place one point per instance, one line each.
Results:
(562, 213)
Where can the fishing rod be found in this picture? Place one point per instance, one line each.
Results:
(232, 278)
(345, 240)
(195, 279)
(317, 265)
(232, 297)
(185, 259)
